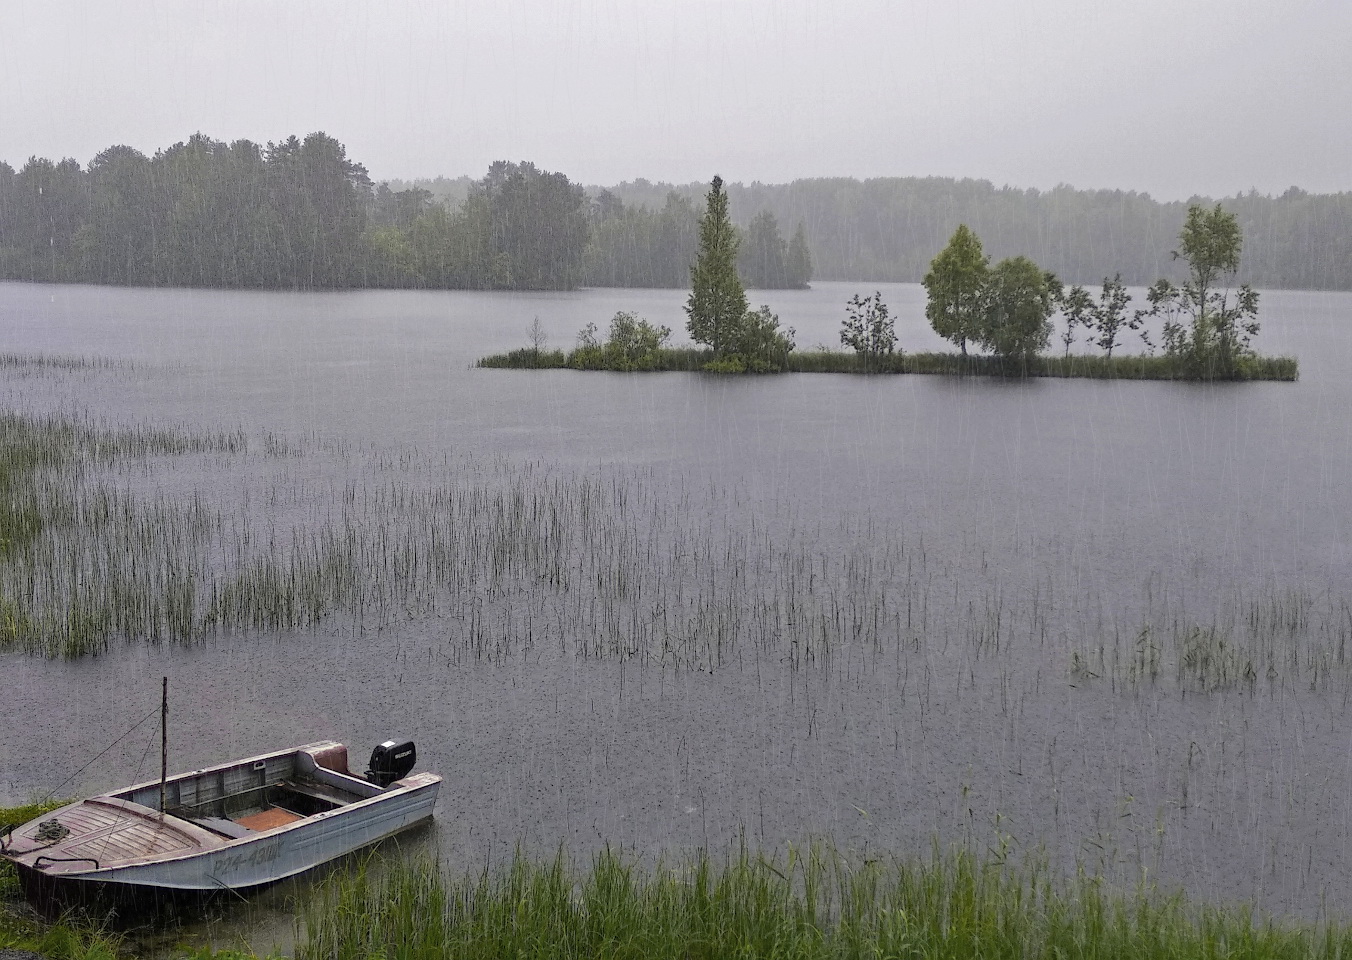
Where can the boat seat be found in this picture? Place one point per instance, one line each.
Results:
(226, 828)
(319, 791)
(269, 818)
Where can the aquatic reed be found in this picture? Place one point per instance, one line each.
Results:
(507, 558)
(808, 903)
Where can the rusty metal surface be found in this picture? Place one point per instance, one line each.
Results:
(268, 819)
(331, 757)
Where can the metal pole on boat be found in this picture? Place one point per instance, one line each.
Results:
(164, 738)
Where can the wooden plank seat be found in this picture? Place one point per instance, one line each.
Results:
(319, 791)
(226, 828)
(267, 819)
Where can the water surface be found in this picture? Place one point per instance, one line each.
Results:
(1040, 524)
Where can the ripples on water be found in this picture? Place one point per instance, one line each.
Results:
(1102, 620)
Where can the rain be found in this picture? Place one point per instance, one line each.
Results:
(850, 478)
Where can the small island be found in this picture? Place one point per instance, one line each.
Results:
(1005, 309)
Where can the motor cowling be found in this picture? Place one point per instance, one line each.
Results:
(391, 761)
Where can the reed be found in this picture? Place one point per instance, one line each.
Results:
(527, 358)
(807, 903)
(520, 558)
(41, 362)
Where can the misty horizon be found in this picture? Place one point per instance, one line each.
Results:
(1210, 99)
(593, 187)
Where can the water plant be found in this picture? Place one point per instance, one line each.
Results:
(807, 902)
(515, 558)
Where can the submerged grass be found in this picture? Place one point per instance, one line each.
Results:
(517, 558)
(812, 903)
(1122, 367)
(42, 362)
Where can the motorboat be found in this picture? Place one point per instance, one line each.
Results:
(235, 826)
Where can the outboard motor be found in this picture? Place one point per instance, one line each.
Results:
(391, 761)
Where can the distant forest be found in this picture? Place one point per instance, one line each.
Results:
(890, 228)
(299, 214)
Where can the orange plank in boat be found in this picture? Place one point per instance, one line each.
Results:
(267, 819)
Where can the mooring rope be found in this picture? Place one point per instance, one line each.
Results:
(52, 792)
(47, 828)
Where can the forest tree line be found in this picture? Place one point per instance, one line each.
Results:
(300, 214)
(886, 229)
(296, 214)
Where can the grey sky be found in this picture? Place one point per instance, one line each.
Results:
(1171, 96)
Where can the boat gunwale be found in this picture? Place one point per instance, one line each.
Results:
(309, 748)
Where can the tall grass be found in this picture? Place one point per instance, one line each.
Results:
(811, 903)
(519, 558)
(41, 362)
(68, 939)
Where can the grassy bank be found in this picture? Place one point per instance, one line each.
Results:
(813, 904)
(70, 939)
(1125, 367)
(17, 816)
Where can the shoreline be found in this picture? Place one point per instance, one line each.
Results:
(694, 360)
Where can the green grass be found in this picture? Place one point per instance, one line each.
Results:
(70, 939)
(1123, 367)
(17, 817)
(813, 903)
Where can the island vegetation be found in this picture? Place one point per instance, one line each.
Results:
(1206, 328)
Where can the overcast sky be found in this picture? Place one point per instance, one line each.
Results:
(1175, 97)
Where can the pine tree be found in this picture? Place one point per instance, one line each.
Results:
(761, 259)
(799, 265)
(717, 306)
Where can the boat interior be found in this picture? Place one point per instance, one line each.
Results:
(240, 799)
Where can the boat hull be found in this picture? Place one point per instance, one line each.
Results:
(123, 843)
(258, 861)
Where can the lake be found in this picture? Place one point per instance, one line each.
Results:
(1095, 620)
